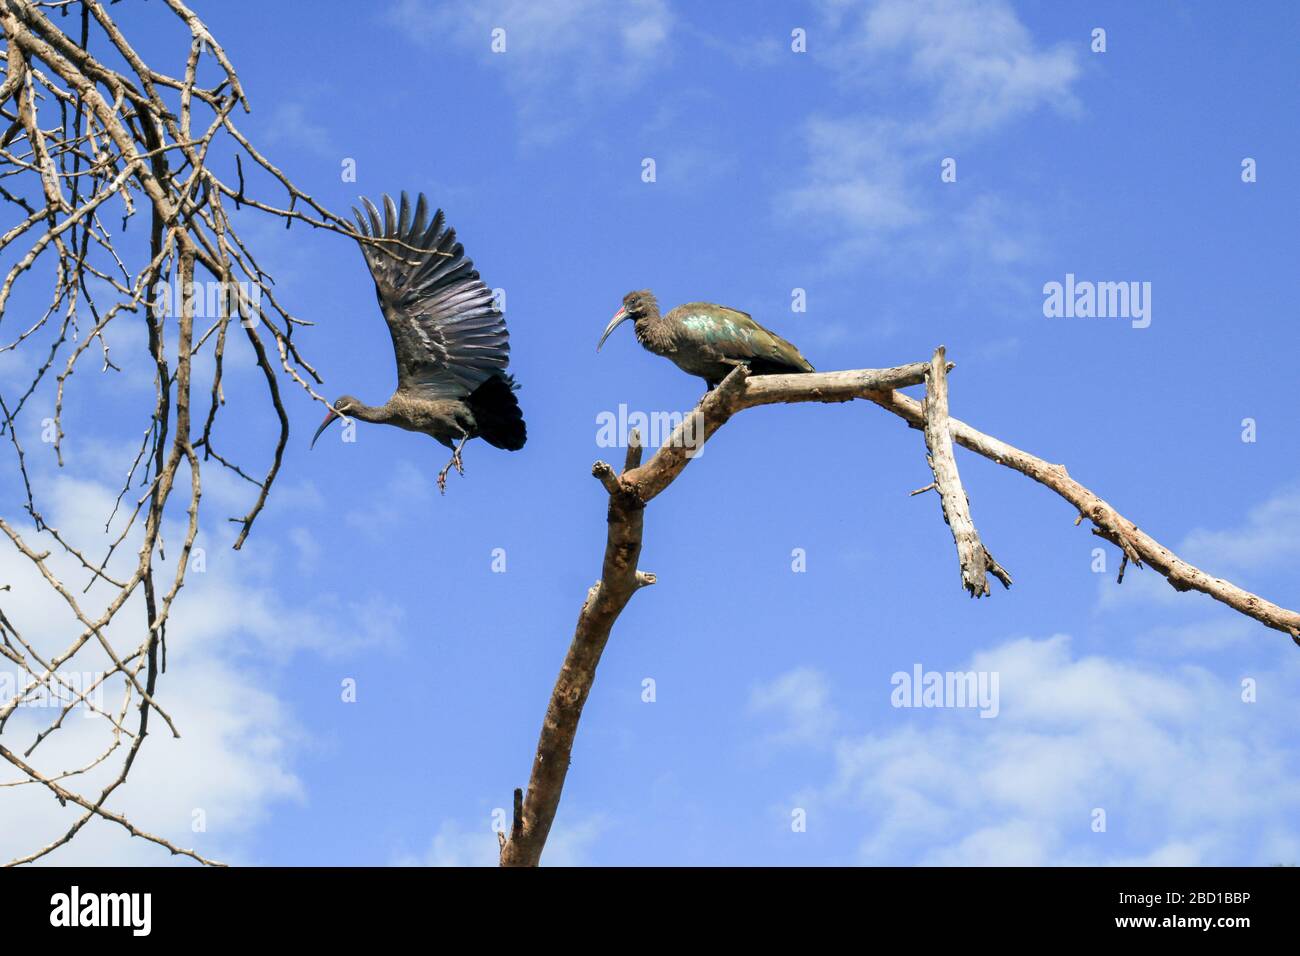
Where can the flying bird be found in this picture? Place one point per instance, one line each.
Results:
(705, 339)
(449, 337)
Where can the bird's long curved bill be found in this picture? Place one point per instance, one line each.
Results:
(324, 425)
(619, 316)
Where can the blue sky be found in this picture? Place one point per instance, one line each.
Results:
(775, 171)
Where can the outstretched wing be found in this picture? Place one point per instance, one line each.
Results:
(448, 335)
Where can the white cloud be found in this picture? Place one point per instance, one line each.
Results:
(1186, 772)
(307, 546)
(1268, 539)
(570, 841)
(801, 700)
(457, 845)
(234, 759)
(1141, 586)
(1227, 629)
(1269, 536)
(974, 58)
(293, 126)
(230, 765)
(389, 510)
(561, 57)
(948, 72)
(855, 177)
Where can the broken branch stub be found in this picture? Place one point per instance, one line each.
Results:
(974, 559)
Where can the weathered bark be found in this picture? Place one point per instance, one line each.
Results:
(1138, 547)
(738, 392)
(972, 557)
(640, 483)
(619, 580)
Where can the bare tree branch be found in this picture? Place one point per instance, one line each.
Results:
(88, 137)
(1139, 547)
(638, 484)
(606, 599)
(628, 495)
(973, 557)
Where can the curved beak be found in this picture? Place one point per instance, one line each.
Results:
(619, 316)
(323, 425)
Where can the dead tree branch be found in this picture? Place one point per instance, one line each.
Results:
(619, 580)
(975, 561)
(628, 495)
(1138, 547)
(91, 140)
(638, 484)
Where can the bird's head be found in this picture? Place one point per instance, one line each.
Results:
(636, 306)
(343, 405)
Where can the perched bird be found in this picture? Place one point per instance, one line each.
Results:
(449, 337)
(705, 339)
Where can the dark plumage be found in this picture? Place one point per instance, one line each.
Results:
(705, 339)
(449, 338)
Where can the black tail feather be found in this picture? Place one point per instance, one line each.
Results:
(763, 366)
(497, 413)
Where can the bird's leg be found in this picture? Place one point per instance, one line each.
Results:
(455, 456)
(455, 462)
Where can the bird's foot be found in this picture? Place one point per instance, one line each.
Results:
(456, 462)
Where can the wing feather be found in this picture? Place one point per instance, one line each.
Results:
(448, 334)
(735, 335)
